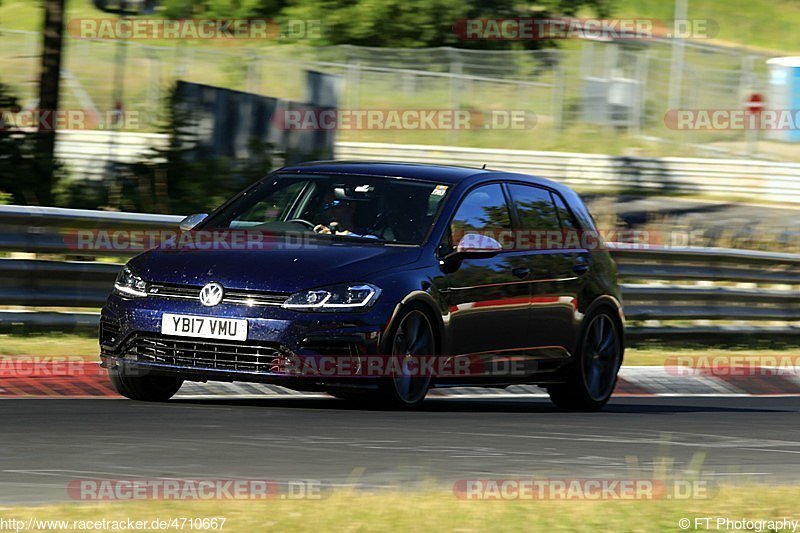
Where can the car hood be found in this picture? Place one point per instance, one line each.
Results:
(280, 270)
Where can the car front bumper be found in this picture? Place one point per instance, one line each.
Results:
(303, 350)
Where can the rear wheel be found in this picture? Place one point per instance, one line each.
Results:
(592, 376)
(412, 339)
(142, 386)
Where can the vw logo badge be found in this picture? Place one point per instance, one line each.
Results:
(211, 294)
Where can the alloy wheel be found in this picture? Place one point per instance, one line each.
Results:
(601, 352)
(413, 340)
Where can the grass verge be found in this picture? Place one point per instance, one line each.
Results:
(441, 511)
(62, 345)
(659, 356)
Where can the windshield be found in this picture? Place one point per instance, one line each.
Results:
(391, 210)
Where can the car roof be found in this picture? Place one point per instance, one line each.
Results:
(437, 173)
(434, 173)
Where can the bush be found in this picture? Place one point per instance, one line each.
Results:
(22, 173)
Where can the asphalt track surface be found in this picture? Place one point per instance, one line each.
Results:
(47, 443)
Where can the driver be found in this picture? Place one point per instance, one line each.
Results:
(340, 214)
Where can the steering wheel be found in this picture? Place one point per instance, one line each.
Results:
(303, 221)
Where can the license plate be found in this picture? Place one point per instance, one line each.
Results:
(205, 327)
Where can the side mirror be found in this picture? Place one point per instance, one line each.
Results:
(188, 223)
(477, 245)
(471, 245)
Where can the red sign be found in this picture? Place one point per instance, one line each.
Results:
(755, 103)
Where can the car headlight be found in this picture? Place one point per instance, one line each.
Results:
(345, 297)
(129, 284)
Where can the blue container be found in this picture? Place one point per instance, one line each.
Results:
(784, 94)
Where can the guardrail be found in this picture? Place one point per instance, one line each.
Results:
(736, 289)
(47, 230)
(733, 289)
(726, 177)
(88, 153)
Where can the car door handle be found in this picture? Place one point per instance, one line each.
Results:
(521, 272)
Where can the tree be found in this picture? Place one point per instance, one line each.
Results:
(20, 169)
(40, 191)
(222, 8)
(391, 23)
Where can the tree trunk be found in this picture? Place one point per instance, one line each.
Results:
(48, 101)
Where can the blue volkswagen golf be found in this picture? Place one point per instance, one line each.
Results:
(375, 282)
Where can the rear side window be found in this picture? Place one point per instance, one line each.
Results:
(484, 210)
(564, 214)
(535, 207)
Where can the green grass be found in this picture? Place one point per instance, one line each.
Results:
(50, 346)
(767, 24)
(659, 356)
(28, 14)
(21, 15)
(439, 510)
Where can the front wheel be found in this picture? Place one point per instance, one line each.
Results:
(412, 339)
(142, 386)
(592, 376)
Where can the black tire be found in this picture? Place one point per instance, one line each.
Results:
(142, 386)
(592, 376)
(400, 391)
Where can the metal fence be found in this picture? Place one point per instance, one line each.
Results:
(615, 88)
(669, 293)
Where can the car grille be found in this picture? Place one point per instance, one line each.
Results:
(207, 354)
(232, 296)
